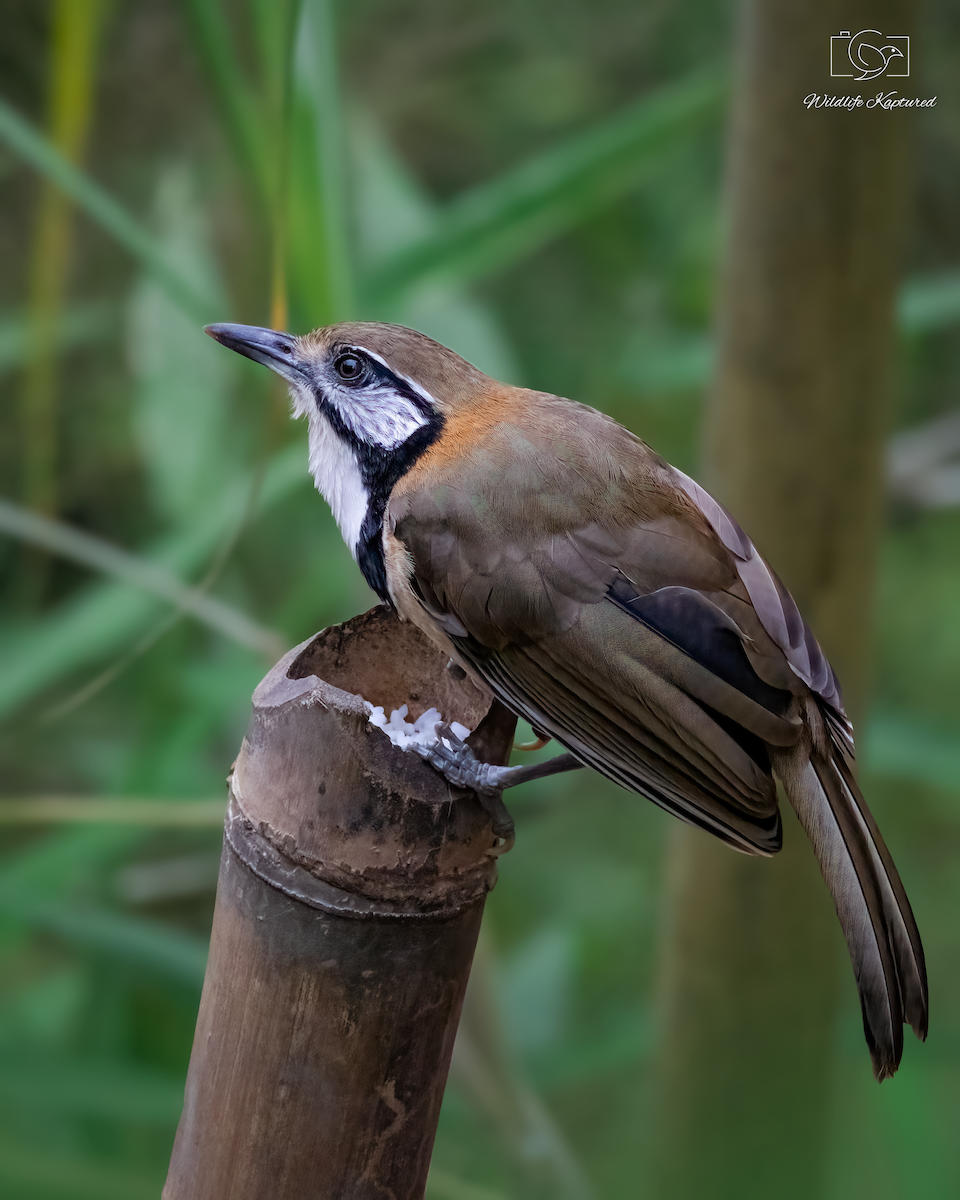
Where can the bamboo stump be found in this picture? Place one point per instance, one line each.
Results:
(350, 895)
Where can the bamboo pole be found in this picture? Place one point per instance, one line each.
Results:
(351, 890)
(794, 440)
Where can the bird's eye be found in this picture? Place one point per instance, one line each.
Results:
(349, 367)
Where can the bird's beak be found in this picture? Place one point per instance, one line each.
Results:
(278, 351)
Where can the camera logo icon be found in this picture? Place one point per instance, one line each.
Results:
(869, 54)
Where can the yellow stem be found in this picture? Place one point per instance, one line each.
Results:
(76, 27)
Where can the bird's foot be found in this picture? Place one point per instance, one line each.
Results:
(456, 762)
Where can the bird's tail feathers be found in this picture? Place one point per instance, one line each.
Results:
(871, 903)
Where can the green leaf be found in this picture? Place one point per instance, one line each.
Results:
(150, 577)
(535, 990)
(106, 617)
(34, 1173)
(90, 1087)
(499, 222)
(669, 364)
(320, 266)
(84, 325)
(181, 408)
(684, 363)
(104, 210)
(903, 748)
(442, 1185)
(133, 943)
(60, 862)
(929, 303)
(244, 121)
(615, 1046)
(392, 211)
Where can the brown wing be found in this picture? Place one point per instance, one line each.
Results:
(616, 605)
(589, 591)
(775, 608)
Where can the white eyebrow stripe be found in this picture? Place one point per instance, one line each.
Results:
(411, 383)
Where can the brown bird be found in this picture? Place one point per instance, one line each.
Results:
(609, 600)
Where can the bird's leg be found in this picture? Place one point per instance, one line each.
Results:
(457, 763)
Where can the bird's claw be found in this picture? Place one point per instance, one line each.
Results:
(456, 762)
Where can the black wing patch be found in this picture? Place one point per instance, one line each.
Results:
(703, 631)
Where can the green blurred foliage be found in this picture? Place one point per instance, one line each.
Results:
(538, 186)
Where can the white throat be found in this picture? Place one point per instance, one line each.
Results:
(334, 468)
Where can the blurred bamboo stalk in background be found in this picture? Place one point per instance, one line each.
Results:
(76, 29)
(794, 447)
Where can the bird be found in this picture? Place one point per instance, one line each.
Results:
(608, 599)
(868, 57)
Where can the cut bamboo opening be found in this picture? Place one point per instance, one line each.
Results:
(351, 890)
